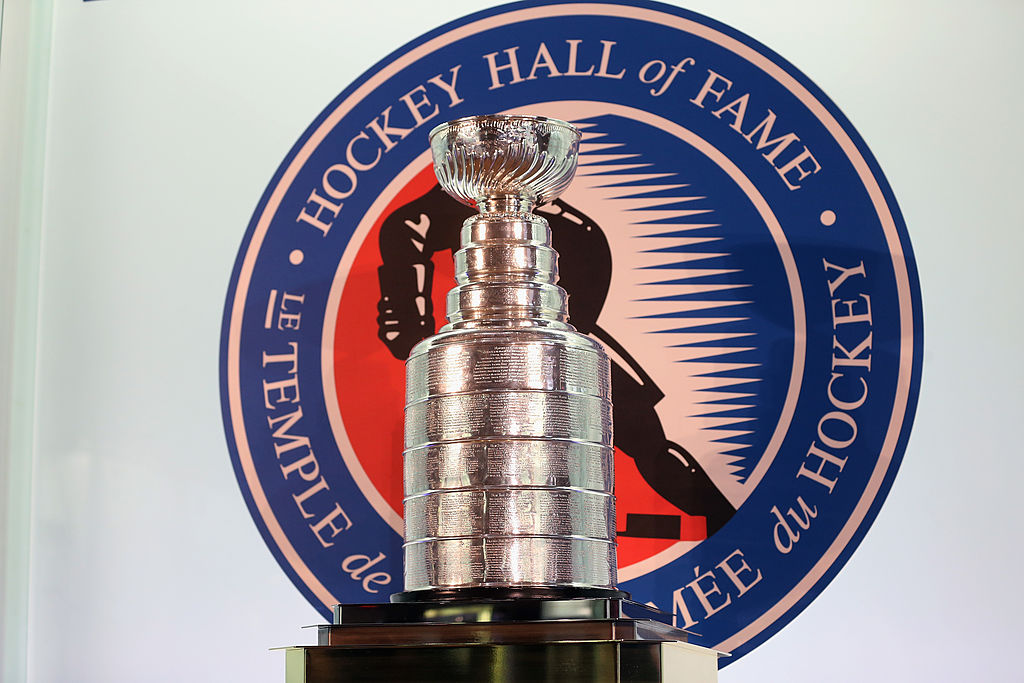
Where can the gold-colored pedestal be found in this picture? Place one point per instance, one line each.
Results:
(559, 641)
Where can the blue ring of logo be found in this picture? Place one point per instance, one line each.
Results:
(793, 532)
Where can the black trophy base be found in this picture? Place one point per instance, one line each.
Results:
(561, 640)
(507, 593)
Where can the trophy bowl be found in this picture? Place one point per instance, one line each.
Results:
(481, 160)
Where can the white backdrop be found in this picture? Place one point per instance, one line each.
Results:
(166, 120)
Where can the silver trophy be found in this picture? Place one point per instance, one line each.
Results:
(509, 511)
(508, 416)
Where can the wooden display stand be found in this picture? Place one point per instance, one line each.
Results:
(563, 641)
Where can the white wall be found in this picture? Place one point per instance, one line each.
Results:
(25, 29)
(141, 545)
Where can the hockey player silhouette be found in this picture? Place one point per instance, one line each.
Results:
(413, 233)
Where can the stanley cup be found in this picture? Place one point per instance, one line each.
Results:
(508, 428)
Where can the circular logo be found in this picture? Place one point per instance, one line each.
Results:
(728, 237)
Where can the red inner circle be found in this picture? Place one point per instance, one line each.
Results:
(370, 386)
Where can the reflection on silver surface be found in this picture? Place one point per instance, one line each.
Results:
(508, 431)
